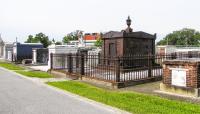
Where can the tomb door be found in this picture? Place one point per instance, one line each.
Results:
(112, 53)
(112, 50)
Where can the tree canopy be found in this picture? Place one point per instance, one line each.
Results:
(39, 38)
(99, 41)
(58, 43)
(71, 36)
(184, 36)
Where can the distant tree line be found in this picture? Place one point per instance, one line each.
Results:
(185, 36)
(44, 39)
(39, 38)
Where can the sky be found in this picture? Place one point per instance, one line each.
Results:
(56, 18)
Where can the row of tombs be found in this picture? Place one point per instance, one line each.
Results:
(178, 75)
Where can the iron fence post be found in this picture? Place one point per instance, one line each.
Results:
(51, 61)
(149, 65)
(69, 62)
(12, 57)
(63, 61)
(82, 65)
(117, 69)
(99, 58)
(77, 60)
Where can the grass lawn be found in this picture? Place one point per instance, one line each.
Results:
(129, 101)
(10, 66)
(37, 74)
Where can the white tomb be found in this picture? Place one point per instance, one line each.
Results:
(61, 49)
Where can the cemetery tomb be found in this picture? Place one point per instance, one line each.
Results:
(1, 46)
(24, 50)
(7, 51)
(181, 76)
(126, 43)
(40, 56)
(60, 49)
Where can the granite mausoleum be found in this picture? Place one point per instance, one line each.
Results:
(128, 42)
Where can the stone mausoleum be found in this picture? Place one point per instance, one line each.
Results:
(128, 42)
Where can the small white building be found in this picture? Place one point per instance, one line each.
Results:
(187, 49)
(165, 49)
(8, 51)
(168, 49)
(1, 46)
(60, 49)
(86, 43)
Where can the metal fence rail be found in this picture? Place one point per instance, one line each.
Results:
(115, 69)
(111, 69)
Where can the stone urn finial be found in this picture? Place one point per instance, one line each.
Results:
(128, 22)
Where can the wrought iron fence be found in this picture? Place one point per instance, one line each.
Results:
(115, 69)
(112, 69)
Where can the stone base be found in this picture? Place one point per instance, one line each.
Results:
(115, 85)
(100, 83)
(62, 74)
(142, 81)
(194, 92)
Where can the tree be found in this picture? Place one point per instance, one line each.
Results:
(42, 38)
(184, 36)
(99, 40)
(66, 39)
(30, 39)
(39, 38)
(58, 43)
(98, 43)
(71, 36)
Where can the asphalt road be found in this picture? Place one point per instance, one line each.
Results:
(22, 96)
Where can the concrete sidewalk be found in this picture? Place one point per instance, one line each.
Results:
(44, 68)
(21, 96)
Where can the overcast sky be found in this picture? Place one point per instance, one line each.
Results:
(55, 18)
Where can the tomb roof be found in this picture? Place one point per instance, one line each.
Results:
(128, 33)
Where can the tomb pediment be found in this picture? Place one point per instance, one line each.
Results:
(123, 34)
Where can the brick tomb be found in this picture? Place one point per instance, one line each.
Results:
(182, 77)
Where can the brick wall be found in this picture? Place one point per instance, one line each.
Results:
(191, 74)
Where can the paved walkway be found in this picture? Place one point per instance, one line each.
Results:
(41, 68)
(21, 96)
